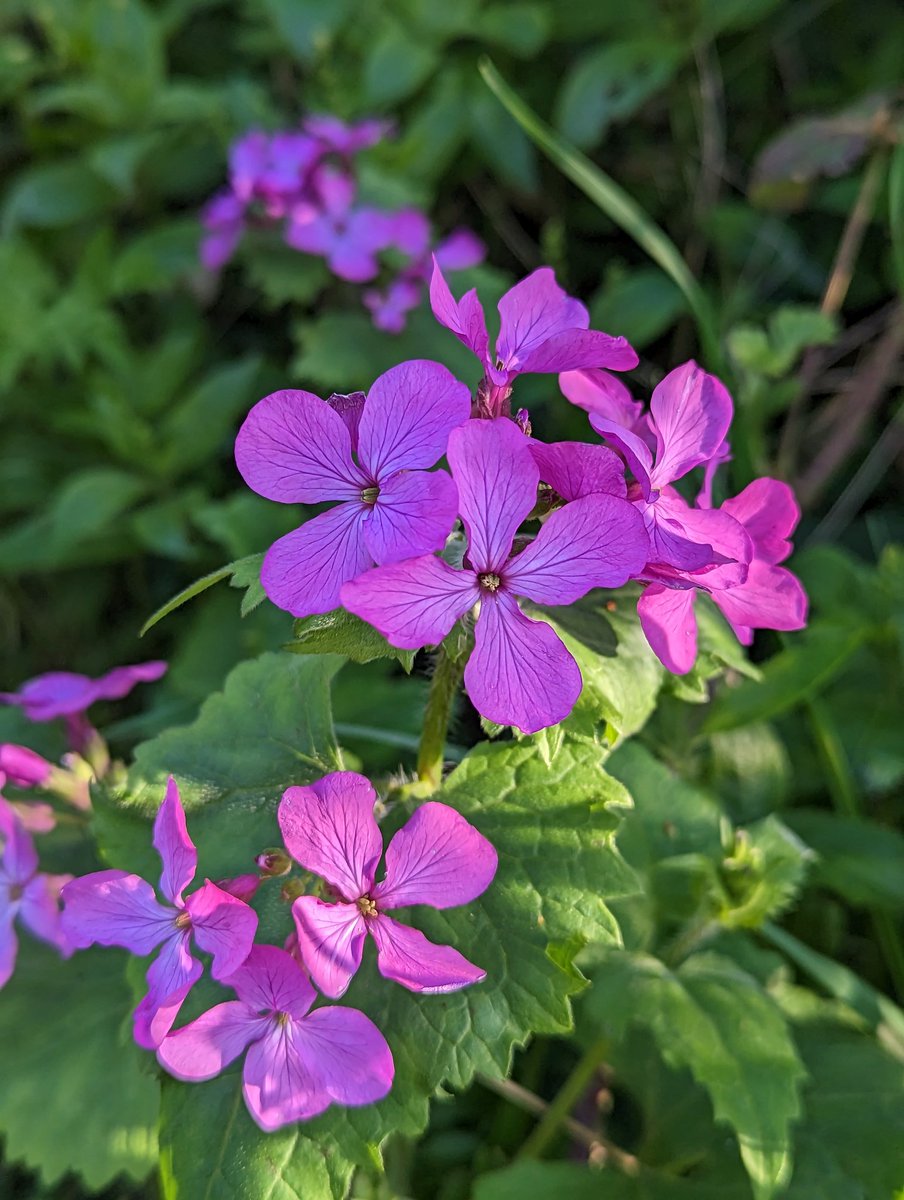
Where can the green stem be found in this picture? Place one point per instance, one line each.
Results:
(843, 790)
(443, 688)
(567, 1097)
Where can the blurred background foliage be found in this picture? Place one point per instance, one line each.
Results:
(763, 139)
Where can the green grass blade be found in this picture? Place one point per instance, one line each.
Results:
(896, 213)
(619, 207)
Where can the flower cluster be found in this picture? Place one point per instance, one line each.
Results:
(545, 523)
(304, 180)
(299, 1059)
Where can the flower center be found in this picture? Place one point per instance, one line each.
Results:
(183, 920)
(490, 582)
(16, 892)
(369, 495)
(366, 906)
(282, 1018)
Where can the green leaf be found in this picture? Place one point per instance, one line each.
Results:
(639, 304)
(158, 259)
(340, 632)
(791, 329)
(76, 1095)
(860, 860)
(307, 26)
(520, 28)
(244, 572)
(55, 194)
(397, 65)
(711, 1017)
(205, 419)
(551, 1181)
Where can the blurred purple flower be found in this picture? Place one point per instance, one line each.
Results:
(63, 693)
(349, 238)
(337, 137)
(223, 217)
(437, 858)
(25, 894)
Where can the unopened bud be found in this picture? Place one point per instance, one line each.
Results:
(522, 420)
(291, 890)
(273, 862)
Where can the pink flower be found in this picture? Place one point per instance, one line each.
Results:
(298, 1062)
(25, 894)
(22, 767)
(542, 330)
(64, 694)
(519, 673)
(294, 448)
(437, 858)
(114, 908)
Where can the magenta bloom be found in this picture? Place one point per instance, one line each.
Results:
(542, 330)
(335, 136)
(437, 858)
(349, 238)
(22, 767)
(223, 219)
(603, 393)
(298, 1062)
(64, 694)
(294, 448)
(25, 894)
(519, 673)
(113, 908)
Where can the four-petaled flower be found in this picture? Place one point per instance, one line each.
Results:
(519, 672)
(542, 331)
(298, 1062)
(114, 908)
(437, 859)
(25, 893)
(295, 448)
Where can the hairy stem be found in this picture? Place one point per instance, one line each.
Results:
(567, 1097)
(443, 688)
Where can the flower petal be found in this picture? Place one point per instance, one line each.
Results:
(409, 958)
(414, 514)
(271, 980)
(20, 858)
(170, 977)
(497, 479)
(599, 541)
(294, 448)
(572, 349)
(413, 603)
(278, 1087)
(769, 512)
(460, 250)
(22, 767)
(684, 533)
(637, 453)
(349, 407)
(331, 942)
(599, 392)
(222, 926)
(9, 946)
(40, 909)
(576, 469)
(533, 311)
(692, 411)
(176, 849)
(411, 409)
(436, 858)
(303, 571)
(346, 1054)
(329, 828)
(120, 681)
(52, 695)
(201, 1049)
(465, 317)
(519, 672)
(113, 908)
(670, 626)
(770, 598)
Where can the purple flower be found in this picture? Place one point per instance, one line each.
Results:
(25, 894)
(64, 694)
(113, 908)
(411, 235)
(348, 238)
(337, 137)
(22, 767)
(542, 330)
(519, 673)
(223, 218)
(604, 394)
(436, 858)
(390, 308)
(298, 1062)
(294, 448)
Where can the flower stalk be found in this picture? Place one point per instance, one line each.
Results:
(443, 688)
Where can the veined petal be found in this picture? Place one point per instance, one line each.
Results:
(465, 318)
(20, 858)
(599, 541)
(329, 828)
(497, 479)
(770, 598)
(692, 411)
(410, 411)
(279, 1088)
(201, 1049)
(571, 349)
(413, 603)
(349, 407)
(304, 570)
(768, 510)
(113, 908)
(345, 1054)
(9, 946)
(330, 941)
(708, 529)
(270, 980)
(519, 672)
(576, 469)
(294, 448)
(414, 513)
(171, 976)
(436, 858)
(223, 926)
(637, 453)
(670, 626)
(533, 311)
(176, 849)
(599, 392)
(408, 957)
(40, 910)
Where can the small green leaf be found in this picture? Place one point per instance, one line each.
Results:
(397, 65)
(55, 194)
(639, 304)
(157, 259)
(340, 632)
(244, 572)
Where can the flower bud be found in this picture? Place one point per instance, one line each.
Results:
(23, 767)
(273, 862)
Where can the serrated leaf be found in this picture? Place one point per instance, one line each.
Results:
(711, 1017)
(244, 572)
(340, 632)
(76, 1095)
